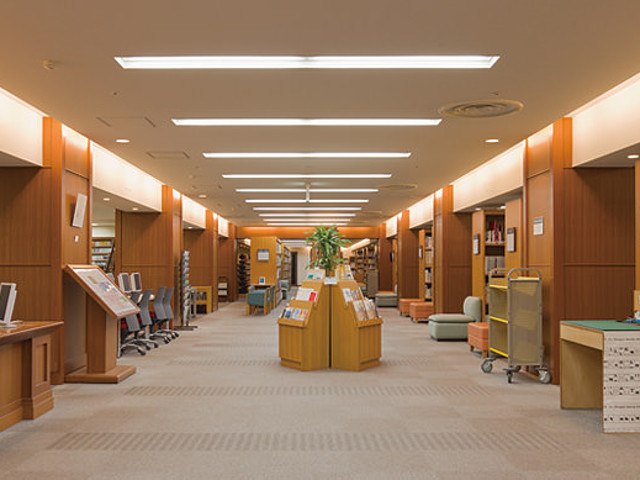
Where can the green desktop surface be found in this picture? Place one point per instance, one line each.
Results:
(604, 325)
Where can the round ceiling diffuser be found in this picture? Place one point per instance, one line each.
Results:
(494, 107)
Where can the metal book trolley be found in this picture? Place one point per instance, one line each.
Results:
(515, 321)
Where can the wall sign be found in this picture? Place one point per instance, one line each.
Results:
(420, 251)
(511, 239)
(476, 244)
(538, 226)
(263, 254)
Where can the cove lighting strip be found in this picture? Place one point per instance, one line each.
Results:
(303, 200)
(305, 175)
(309, 155)
(305, 224)
(304, 190)
(307, 62)
(306, 122)
(308, 209)
(327, 214)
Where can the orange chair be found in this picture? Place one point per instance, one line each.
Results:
(403, 305)
(478, 337)
(420, 310)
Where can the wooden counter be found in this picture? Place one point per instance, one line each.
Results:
(25, 364)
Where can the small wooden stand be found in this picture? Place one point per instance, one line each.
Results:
(102, 314)
(355, 344)
(304, 345)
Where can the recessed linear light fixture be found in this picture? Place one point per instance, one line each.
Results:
(633, 156)
(305, 175)
(106, 199)
(492, 140)
(308, 209)
(303, 200)
(309, 155)
(289, 220)
(202, 195)
(307, 62)
(303, 190)
(123, 140)
(304, 122)
(325, 214)
(304, 224)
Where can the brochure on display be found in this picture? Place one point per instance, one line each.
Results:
(315, 274)
(295, 313)
(306, 294)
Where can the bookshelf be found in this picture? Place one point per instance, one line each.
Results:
(364, 266)
(425, 264)
(488, 249)
(243, 267)
(286, 265)
(102, 252)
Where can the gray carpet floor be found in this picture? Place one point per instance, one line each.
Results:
(215, 403)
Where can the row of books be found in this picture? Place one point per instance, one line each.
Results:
(427, 275)
(428, 257)
(295, 313)
(428, 295)
(495, 232)
(365, 308)
(493, 261)
(428, 241)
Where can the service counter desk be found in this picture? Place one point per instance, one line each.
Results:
(25, 364)
(600, 369)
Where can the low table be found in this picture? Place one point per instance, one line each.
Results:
(600, 368)
(25, 365)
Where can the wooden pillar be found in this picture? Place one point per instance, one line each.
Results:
(513, 219)
(384, 260)
(202, 245)
(452, 254)
(580, 235)
(37, 239)
(407, 258)
(637, 223)
(150, 243)
(227, 262)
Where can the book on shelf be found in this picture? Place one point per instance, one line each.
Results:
(493, 261)
(495, 232)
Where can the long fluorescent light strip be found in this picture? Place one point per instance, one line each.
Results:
(304, 224)
(307, 209)
(307, 219)
(309, 155)
(307, 62)
(304, 122)
(323, 215)
(303, 190)
(305, 175)
(302, 200)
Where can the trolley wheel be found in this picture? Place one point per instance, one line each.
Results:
(509, 376)
(517, 368)
(147, 346)
(544, 376)
(155, 345)
(487, 366)
(142, 351)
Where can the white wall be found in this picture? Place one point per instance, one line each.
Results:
(607, 124)
(304, 257)
(421, 212)
(193, 213)
(114, 175)
(223, 227)
(20, 132)
(500, 175)
(106, 231)
(392, 226)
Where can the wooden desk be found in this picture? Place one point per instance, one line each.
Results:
(25, 364)
(582, 361)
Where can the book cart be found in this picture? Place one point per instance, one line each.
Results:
(303, 329)
(356, 328)
(515, 321)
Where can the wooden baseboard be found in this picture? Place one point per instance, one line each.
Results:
(11, 414)
(34, 407)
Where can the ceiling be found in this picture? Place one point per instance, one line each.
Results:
(555, 56)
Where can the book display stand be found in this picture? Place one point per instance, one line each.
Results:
(304, 330)
(105, 304)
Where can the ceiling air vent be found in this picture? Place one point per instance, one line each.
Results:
(168, 155)
(397, 186)
(494, 107)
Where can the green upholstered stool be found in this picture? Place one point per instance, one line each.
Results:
(453, 326)
(386, 299)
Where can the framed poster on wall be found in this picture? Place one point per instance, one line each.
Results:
(263, 254)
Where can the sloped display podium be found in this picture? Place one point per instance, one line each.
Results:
(105, 305)
(304, 343)
(356, 341)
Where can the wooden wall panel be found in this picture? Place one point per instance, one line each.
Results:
(513, 219)
(201, 252)
(227, 261)
(384, 260)
(539, 201)
(74, 251)
(637, 222)
(477, 260)
(267, 269)
(407, 258)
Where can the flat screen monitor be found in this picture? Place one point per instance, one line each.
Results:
(124, 282)
(7, 301)
(136, 282)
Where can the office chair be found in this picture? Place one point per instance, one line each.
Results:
(132, 327)
(168, 311)
(160, 317)
(145, 321)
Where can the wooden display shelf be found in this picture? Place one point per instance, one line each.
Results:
(304, 345)
(355, 344)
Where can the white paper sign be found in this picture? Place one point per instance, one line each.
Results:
(621, 382)
(538, 226)
(511, 240)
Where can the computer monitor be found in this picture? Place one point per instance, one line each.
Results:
(136, 282)
(124, 282)
(7, 301)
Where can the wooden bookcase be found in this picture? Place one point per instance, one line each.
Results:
(425, 265)
(102, 252)
(488, 249)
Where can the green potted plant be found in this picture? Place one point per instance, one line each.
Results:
(326, 243)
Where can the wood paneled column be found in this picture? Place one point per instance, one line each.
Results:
(227, 262)
(584, 242)
(384, 260)
(452, 254)
(407, 258)
(36, 236)
(203, 248)
(150, 243)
